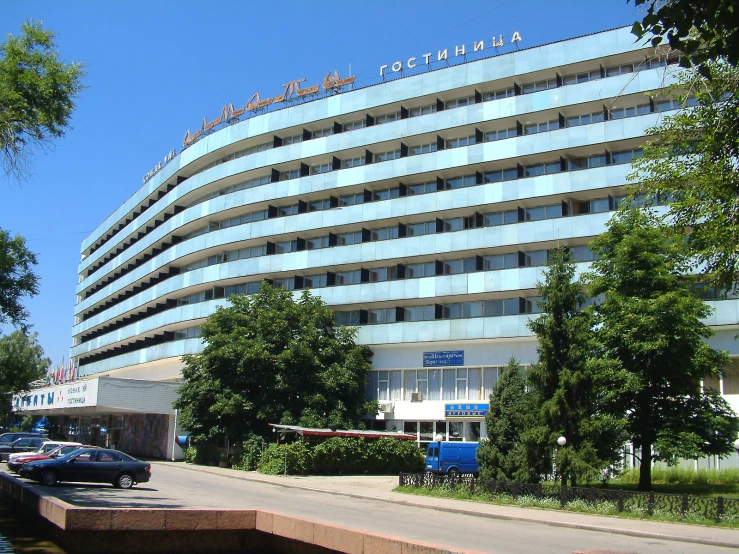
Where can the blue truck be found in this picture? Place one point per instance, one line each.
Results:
(452, 458)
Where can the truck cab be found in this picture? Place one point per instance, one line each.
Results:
(452, 458)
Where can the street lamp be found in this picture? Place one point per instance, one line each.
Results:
(736, 446)
(562, 441)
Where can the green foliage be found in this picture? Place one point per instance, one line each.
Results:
(702, 29)
(190, 454)
(392, 456)
(17, 279)
(271, 359)
(339, 456)
(294, 458)
(649, 326)
(685, 476)
(21, 362)
(202, 454)
(246, 457)
(504, 455)
(37, 92)
(693, 163)
(566, 381)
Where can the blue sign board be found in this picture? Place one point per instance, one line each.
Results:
(443, 359)
(464, 409)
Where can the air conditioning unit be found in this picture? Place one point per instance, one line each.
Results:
(386, 407)
(416, 397)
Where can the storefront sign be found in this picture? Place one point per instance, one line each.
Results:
(331, 82)
(157, 168)
(443, 55)
(443, 359)
(466, 410)
(73, 395)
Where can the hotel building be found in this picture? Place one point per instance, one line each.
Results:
(420, 209)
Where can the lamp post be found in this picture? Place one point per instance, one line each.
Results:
(561, 441)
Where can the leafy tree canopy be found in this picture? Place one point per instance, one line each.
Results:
(702, 29)
(37, 92)
(650, 324)
(21, 362)
(693, 163)
(271, 359)
(17, 279)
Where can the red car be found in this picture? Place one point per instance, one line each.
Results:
(16, 463)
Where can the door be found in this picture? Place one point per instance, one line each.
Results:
(78, 468)
(106, 467)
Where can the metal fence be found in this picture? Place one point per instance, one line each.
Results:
(651, 503)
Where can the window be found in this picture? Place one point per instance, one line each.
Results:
(286, 247)
(378, 275)
(581, 254)
(389, 384)
(534, 128)
(417, 229)
(599, 205)
(354, 125)
(387, 118)
(542, 169)
(535, 258)
(419, 313)
(619, 69)
(459, 102)
(532, 305)
(244, 288)
(292, 140)
(386, 156)
(620, 113)
(189, 333)
(353, 162)
(321, 168)
(413, 271)
(322, 133)
(385, 194)
(316, 243)
(500, 218)
(461, 141)
(343, 239)
(500, 261)
(460, 182)
(287, 283)
(452, 224)
(347, 318)
(626, 156)
(582, 77)
(500, 175)
(452, 267)
(384, 233)
(422, 110)
(205, 262)
(422, 188)
(586, 162)
(378, 317)
(245, 253)
(422, 149)
(351, 199)
(315, 281)
(319, 205)
(501, 134)
(538, 86)
(499, 94)
(283, 211)
(290, 174)
(585, 119)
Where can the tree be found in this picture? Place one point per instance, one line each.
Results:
(702, 29)
(503, 456)
(649, 323)
(37, 92)
(693, 163)
(17, 279)
(271, 359)
(564, 380)
(22, 361)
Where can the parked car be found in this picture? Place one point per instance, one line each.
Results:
(46, 446)
(25, 444)
(90, 465)
(7, 438)
(16, 461)
(452, 458)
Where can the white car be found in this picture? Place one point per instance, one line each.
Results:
(45, 447)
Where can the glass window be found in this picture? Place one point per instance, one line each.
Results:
(619, 69)
(460, 182)
(460, 141)
(351, 199)
(413, 271)
(287, 283)
(500, 175)
(378, 274)
(499, 94)
(348, 318)
(354, 125)
(316, 243)
(459, 102)
(386, 194)
(538, 86)
(511, 306)
(494, 308)
(323, 132)
(349, 238)
(290, 174)
(452, 267)
(321, 168)
(422, 188)
(533, 128)
(384, 233)
(319, 205)
(501, 134)
(348, 277)
(416, 229)
(287, 210)
(386, 156)
(422, 110)
(489, 379)
(286, 247)
(535, 258)
(315, 281)
(292, 140)
(353, 162)
(387, 118)
(422, 149)
(626, 156)
(585, 119)
(581, 253)
(452, 224)
(419, 313)
(620, 113)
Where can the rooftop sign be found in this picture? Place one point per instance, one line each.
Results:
(411, 63)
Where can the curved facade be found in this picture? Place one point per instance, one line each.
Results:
(420, 209)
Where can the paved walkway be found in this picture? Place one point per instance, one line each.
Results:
(381, 488)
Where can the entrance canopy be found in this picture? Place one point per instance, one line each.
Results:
(326, 433)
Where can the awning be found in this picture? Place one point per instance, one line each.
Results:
(355, 433)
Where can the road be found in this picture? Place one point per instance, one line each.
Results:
(174, 486)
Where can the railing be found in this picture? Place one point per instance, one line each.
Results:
(651, 503)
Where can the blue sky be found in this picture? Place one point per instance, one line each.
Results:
(156, 68)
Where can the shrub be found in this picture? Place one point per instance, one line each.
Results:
(294, 459)
(190, 454)
(247, 456)
(202, 454)
(339, 456)
(387, 456)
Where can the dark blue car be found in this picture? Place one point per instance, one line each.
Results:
(90, 465)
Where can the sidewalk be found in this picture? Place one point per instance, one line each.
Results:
(381, 488)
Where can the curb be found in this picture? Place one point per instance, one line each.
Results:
(571, 525)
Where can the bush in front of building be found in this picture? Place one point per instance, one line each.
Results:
(388, 456)
(294, 458)
(339, 456)
(202, 454)
(247, 455)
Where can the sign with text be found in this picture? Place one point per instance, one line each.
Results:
(443, 359)
(72, 395)
(466, 410)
